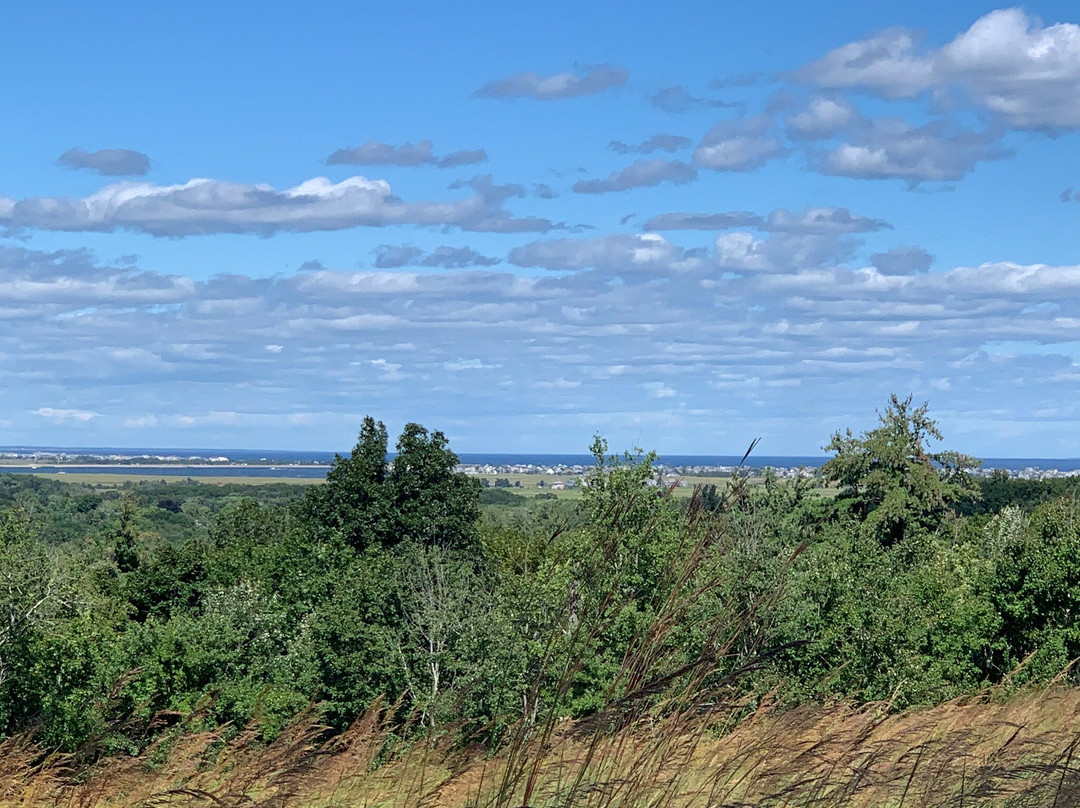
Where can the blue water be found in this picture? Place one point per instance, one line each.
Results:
(753, 461)
(285, 460)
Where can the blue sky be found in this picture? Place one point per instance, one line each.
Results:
(249, 225)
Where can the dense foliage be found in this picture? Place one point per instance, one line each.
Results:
(124, 610)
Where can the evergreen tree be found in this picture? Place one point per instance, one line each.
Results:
(890, 480)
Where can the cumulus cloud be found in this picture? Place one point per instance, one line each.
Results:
(1019, 69)
(1008, 63)
(387, 371)
(616, 253)
(703, 221)
(781, 252)
(73, 276)
(203, 206)
(458, 258)
(638, 255)
(63, 416)
(942, 150)
(662, 142)
(592, 80)
(374, 153)
(491, 192)
(676, 99)
(388, 256)
(819, 220)
(626, 318)
(823, 117)
(886, 63)
(659, 390)
(890, 148)
(822, 221)
(740, 145)
(107, 162)
(639, 174)
(902, 261)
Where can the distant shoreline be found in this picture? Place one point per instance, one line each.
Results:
(6, 464)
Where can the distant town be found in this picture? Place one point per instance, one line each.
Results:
(567, 474)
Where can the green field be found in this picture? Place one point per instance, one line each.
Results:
(529, 483)
(107, 480)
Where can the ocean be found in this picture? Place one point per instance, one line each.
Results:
(313, 464)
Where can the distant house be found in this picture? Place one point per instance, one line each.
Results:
(558, 486)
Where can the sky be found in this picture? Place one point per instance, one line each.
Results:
(682, 227)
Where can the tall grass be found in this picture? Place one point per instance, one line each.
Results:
(1018, 753)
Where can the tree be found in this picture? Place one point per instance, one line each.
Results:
(443, 600)
(353, 501)
(420, 496)
(125, 545)
(35, 584)
(889, 479)
(433, 503)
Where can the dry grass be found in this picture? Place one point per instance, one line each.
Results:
(1017, 753)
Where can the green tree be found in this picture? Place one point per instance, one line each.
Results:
(354, 502)
(432, 503)
(888, 478)
(1036, 587)
(418, 497)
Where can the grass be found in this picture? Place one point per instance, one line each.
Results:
(1018, 752)
(107, 480)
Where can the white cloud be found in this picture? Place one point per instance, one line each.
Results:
(557, 384)
(640, 174)
(388, 371)
(63, 416)
(761, 315)
(740, 145)
(374, 153)
(615, 253)
(203, 206)
(886, 63)
(659, 390)
(1008, 63)
(823, 118)
(107, 162)
(890, 148)
(465, 364)
(661, 142)
(561, 85)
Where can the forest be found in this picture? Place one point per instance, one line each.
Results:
(136, 618)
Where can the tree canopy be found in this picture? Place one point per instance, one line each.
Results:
(889, 478)
(371, 502)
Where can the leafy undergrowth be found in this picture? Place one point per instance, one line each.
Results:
(1016, 752)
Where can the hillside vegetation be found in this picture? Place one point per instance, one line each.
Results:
(383, 639)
